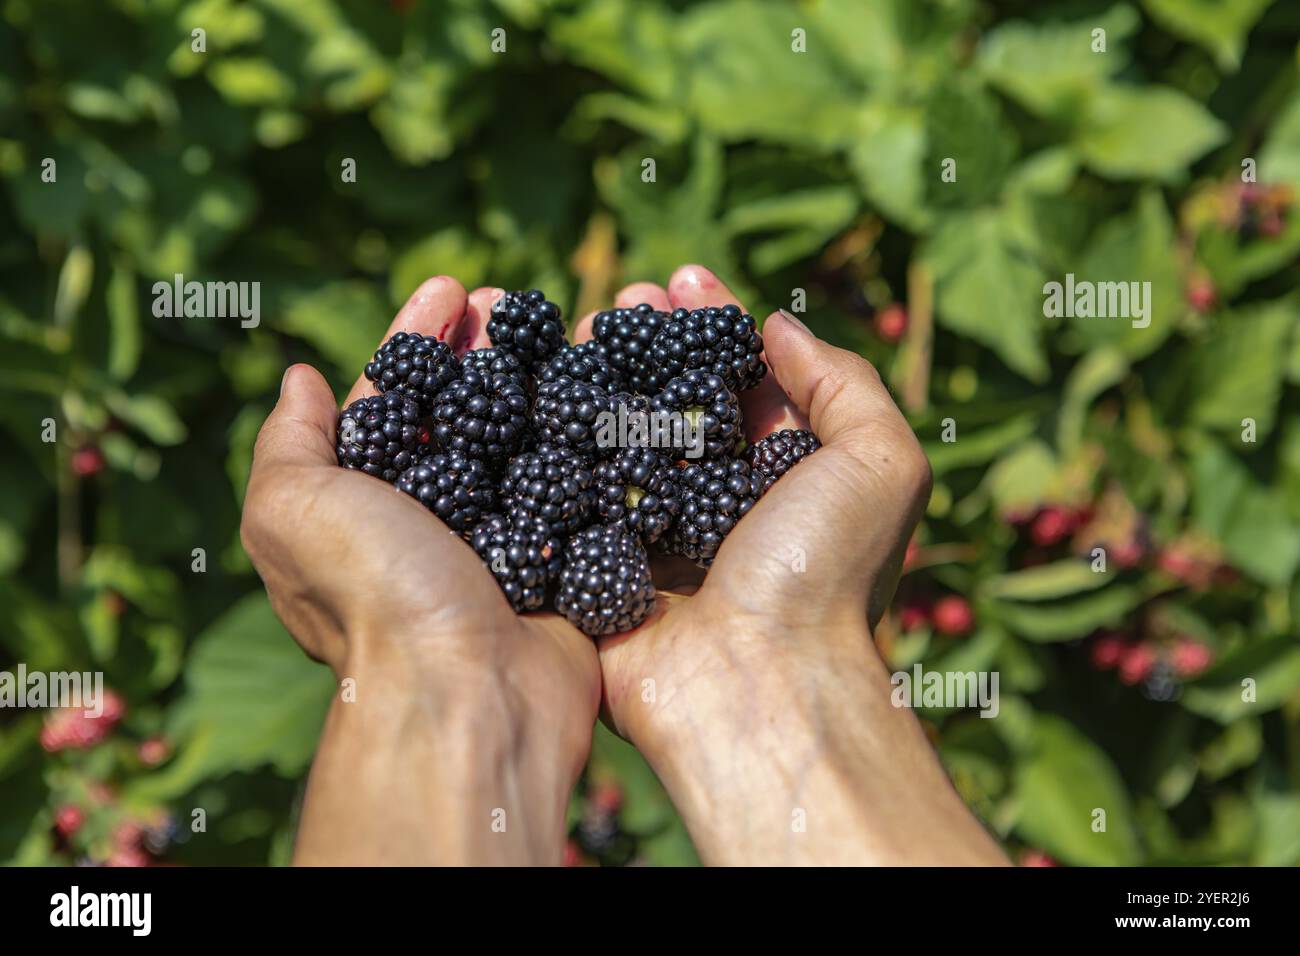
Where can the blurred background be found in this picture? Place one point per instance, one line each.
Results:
(798, 149)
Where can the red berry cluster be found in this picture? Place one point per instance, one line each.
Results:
(950, 615)
(1136, 660)
(72, 727)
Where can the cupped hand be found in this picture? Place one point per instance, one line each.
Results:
(367, 580)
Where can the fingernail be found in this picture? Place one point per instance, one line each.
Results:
(795, 322)
(285, 379)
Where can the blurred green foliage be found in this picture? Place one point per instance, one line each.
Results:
(796, 164)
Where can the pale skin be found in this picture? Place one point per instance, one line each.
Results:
(756, 694)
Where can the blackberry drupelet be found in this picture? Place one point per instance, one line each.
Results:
(457, 489)
(773, 456)
(481, 416)
(493, 360)
(637, 490)
(623, 338)
(413, 365)
(526, 324)
(553, 484)
(715, 495)
(724, 341)
(380, 435)
(708, 407)
(566, 413)
(605, 585)
(524, 557)
(582, 363)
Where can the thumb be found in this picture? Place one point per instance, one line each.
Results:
(300, 429)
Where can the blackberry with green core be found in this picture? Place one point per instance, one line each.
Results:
(380, 435)
(553, 484)
(582, 363)
(637, 490)
(524, 558)
(492, 361)
(721, 340)
(481, 416)
(527, 325)
(715, 495)
(413, 365)
(568, 413)
(623, 338)
(709, 409)
(457, 489)
(605, 585)
(773, 456)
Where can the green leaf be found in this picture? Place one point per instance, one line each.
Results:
(1279, 158)
(1020, 479)
(964, 124)
(1100, 369)
(251, 699)
(1050, 68)
(1066, 620)
(344, 321)
(1146, 132)
(452, 252)
(124, 324)
(149, 413)
(1220, 26)
(888, 160)
(1047, 581)
(1274, 667)
(989, 289)
(1250, 521)
(1060, 785)
(1237, 373)
(980, 446)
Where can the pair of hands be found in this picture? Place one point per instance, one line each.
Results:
(744, 690)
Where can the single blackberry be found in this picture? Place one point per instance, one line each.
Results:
(413, 365)
(582, 363)
(481, 416)
(524, 557)
(709, 414)
(773, 456)
(623, 338)
(724, 341)
(492, 361)
(631, 426)
(637, 490)
(552, 483)
(605, 585)
(457, 489)
(569, 414)
(526, 324)
(715, 495)
(380, 435)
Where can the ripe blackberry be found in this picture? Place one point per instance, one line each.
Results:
(481, 416)
(414, 366)
(380, 435)
(553, 484)
(526, 324)
(715, 495)
(708, 407)
(524, 557)
(637, 490)
(457, 489)
(566, 413)
(582, 363)
(631, 426)
(773, 456)
(605, 585)
(492, 361)
(724, 341)
(623, 337)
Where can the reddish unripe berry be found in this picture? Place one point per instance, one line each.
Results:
(952, 615)
(131, 857)
(1190, 657)
(891, 322)
(912, 617)
(1137, 663)
(153, 751)
(87, 462)
(1201, 294)
(1107, 651)
(1051, 526)
(572, 854)
(606, 798)
(1036, 858)
(68, 819)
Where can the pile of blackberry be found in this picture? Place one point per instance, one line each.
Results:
(564, 466)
